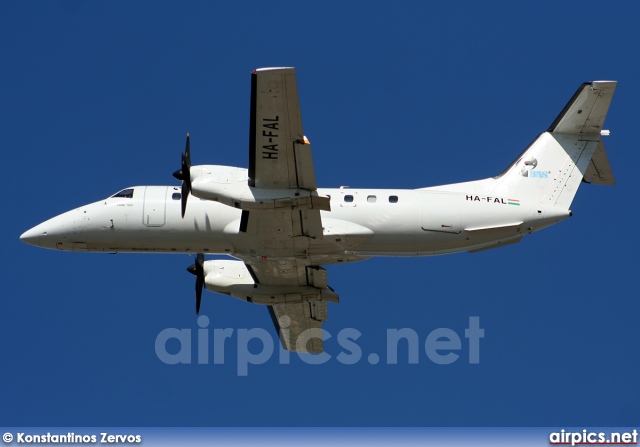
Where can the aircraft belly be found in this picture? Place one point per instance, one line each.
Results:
(416, 244)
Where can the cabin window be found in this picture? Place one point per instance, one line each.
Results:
(128, 193)
(176, 196)
(393, 199)
(371, 199)
(348, 198)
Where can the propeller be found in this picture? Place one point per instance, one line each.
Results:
(184, 174)
(197, 269)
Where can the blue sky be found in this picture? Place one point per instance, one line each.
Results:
(97, 96)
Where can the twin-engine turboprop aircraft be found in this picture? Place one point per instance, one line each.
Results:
(280, 228)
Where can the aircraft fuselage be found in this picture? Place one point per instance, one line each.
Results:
(362, 223)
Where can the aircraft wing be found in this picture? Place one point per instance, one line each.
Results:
(298, 323)
(294, 320)
(280, 158)
(279, 153)
(281, 263)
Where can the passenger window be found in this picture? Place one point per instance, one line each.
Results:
(176, 196)
(393, 199)
(371, 199)
(348, 198)
(128, 193)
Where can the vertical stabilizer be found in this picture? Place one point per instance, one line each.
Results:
(548, 174)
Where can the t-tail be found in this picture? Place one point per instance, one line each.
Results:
(549, 172)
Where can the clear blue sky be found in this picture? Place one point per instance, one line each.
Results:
(97, 96)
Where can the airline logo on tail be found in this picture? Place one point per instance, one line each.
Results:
(536, 174)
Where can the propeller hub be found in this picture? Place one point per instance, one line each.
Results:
(179, 175)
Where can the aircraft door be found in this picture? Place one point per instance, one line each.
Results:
(153, 211)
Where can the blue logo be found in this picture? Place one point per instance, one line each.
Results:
(538, 174)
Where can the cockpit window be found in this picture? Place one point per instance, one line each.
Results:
(128, 193)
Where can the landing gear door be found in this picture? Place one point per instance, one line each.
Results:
(153, 212)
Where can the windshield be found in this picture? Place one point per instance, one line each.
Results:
(128, 193)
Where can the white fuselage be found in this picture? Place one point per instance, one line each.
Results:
(362, 223)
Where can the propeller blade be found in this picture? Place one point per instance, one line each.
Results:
(197, 269)
(185, 195)
(200, 262)
(184, 174)
(199, 284)
(187, 151)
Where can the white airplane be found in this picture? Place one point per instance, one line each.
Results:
(280, 228)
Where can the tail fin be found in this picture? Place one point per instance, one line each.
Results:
(551, 169)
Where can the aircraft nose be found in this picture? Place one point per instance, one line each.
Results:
(32, 236)
(42, 235)
(56, 233)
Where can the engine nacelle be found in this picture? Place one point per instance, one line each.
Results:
(229, 185)
(233, 278)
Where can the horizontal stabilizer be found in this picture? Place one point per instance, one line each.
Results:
(599, 171)
(587, 109)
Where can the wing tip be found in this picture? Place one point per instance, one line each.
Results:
(257, 70)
